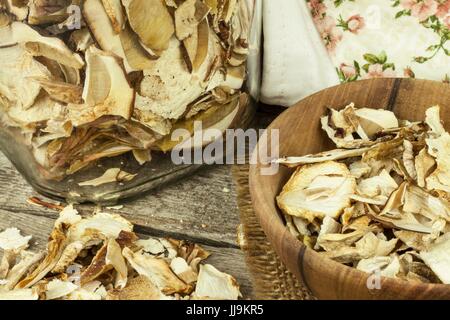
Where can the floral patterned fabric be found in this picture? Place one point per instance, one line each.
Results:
(385, 38)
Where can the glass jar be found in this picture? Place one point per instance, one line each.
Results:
(67, 122)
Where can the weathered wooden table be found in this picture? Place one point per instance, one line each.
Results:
(201, 208)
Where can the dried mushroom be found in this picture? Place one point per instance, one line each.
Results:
(318, 190)
(110, 175)
(216, 285)
(99, 257)
(11, 239)
(437, 257)
(188, 16)
(342, 126)
(106, 88)
(151, 21)
(17, 67)
(122, 78)
(49, 47)
(115, 13)
(379, 203)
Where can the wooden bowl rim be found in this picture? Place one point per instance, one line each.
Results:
(278, 227)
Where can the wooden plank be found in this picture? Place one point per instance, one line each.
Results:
(228, 260)
(195, 208)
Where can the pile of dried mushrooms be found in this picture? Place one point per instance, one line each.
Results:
(100, 257)
(89, 79)
(379, 203)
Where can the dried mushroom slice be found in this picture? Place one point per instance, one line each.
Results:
(107, 224)
(71, 75)
(413, 240)
(81, 39)
(213, 284)
(138, 288)
(433, 120)
(7, 261)
(373, 121)
(96, 151)
(28, 262)
(19, 9)
(424, 165)
(57, 289)
(158, 271)
(142, 156)
(68, 216)
(117, 261)
(360, 169)
(11, 239)
(115, 13)
(99, 24)
(70, 253)
(342, 126)
(190, 251)
(188, 16)
(367, 247)
(372, 245)
(158, 248)
(149, 119)
(5, 18)
(183, 271)
(109, 257)
(393, 214)
(7, 37)
(419, 201)
(334, 241)
(55, 248)
(17, 66)
(385, 266)
(437, 257)
(60, 91)
(106, 90)
(168, 87)
(19, 294)
(382, 151)
(136, 56)
(86, 233)
(49, 47)
(189, 50)
(235, 77)
(201, 51)
(408, 159)
(152, 22)
(439, 148)
(378, 187)
(42, 110)
(418, 271)
(218, 118)
(93, 290)
(98, 266)
(318, 190)
(110, 175)
(332, 155)
(48, 11)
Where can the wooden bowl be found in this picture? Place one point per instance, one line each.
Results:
(300, 134)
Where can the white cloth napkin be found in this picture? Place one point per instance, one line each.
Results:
(296, 63)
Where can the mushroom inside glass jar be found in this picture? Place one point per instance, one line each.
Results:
(92, 85)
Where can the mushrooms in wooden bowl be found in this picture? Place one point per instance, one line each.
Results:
(377, 222)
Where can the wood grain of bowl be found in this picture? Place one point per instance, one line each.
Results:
(300, 134)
